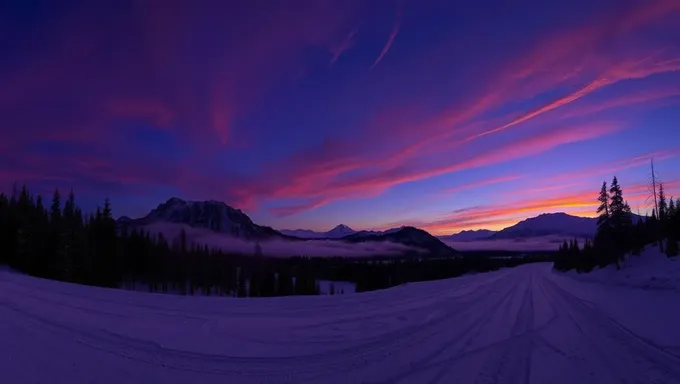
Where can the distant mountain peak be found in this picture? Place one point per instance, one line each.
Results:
(556, 214)
(557, 223)
(209, 214)
(407, 235)
(342, 227)
(469, 235)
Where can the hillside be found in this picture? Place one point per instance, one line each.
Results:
(550, 224)
(469, 235)
(409, 236)
(213, 215)
(337, 232)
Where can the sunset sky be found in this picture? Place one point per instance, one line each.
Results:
(447, 115)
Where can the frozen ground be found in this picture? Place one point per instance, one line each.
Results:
(520, 325)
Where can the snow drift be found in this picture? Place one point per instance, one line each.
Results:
(650, 270)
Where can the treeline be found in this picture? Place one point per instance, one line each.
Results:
(380, 273)
(619, 232)
(60, 242)
(64, 244)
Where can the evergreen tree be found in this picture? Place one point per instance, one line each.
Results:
(663, 205)
(57, 267)
(672, 245)
(603, 209)
(621, 222)
(241, 287)
(42, 230)
(284, 283)
(25, 251)
(4, 229)
(89, 250)
(639, 240)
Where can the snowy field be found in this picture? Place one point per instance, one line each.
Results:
(520, 325)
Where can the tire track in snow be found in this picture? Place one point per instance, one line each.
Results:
(464, 336)
(643, 362)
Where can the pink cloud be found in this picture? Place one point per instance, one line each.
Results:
(345, 45)
(550, 63)
(393, 35)
(146, 65)
(371, 184)
(157, 73)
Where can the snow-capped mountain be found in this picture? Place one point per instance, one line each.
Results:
(213, 215)
(410, 236)
(547, 224)
(335, 233)
(471, 235)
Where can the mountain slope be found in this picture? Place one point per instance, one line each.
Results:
(410, 236)
(213, 215)
(335, 233)
(547, 224)
(471, 235)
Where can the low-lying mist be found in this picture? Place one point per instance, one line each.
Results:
(277, 247)
(545, 243)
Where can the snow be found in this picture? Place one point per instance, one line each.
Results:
(650, 270)
(517, 325)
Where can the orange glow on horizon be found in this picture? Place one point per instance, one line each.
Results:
(582, 204)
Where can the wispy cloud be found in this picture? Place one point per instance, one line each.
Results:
(393, 35)
(375, 183)
(481, 183)
(345, 45)
(445, 132)
(611, 168)
(87, 91)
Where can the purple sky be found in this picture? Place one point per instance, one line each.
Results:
(448, 115)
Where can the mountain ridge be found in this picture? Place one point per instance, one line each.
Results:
(221, 218)
(210, 214)
(336, 232)
(469, 235)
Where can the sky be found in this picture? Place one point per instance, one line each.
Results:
(447, 115)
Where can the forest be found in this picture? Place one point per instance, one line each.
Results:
(620, 233)
(58, 241)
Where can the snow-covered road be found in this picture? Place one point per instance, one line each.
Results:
(520, 325)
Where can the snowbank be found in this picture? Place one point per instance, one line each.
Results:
(651, 270)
